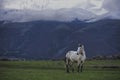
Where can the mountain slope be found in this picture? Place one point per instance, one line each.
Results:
(52, 39)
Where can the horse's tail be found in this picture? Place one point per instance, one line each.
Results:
(65, 59)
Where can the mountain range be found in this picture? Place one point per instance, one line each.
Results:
(52, 39)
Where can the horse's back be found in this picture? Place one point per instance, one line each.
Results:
(72, 55)
(69, 53)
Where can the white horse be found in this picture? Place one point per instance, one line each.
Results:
(78, 56)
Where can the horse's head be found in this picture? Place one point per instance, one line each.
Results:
(79, 45)
(81, 50)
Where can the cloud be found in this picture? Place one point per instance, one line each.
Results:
(112, 5)
(61, 10)
(1, 4)
(113, 8)
(90, 5)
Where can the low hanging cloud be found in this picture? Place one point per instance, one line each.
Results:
(113, 8)
(1, 4)
(60, 10)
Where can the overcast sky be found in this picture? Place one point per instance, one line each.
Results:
(66, 10)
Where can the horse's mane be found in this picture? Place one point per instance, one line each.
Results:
(81, 53)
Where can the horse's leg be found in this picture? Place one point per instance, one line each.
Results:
(81, 68)
(72, 65)
(78, 66)
(67, 65)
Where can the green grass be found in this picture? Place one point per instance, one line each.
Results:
(55, 70)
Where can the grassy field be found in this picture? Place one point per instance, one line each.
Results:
(55, 70)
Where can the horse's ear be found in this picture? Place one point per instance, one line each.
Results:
(79, 45)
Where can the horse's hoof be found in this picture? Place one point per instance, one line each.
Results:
(68, 72)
